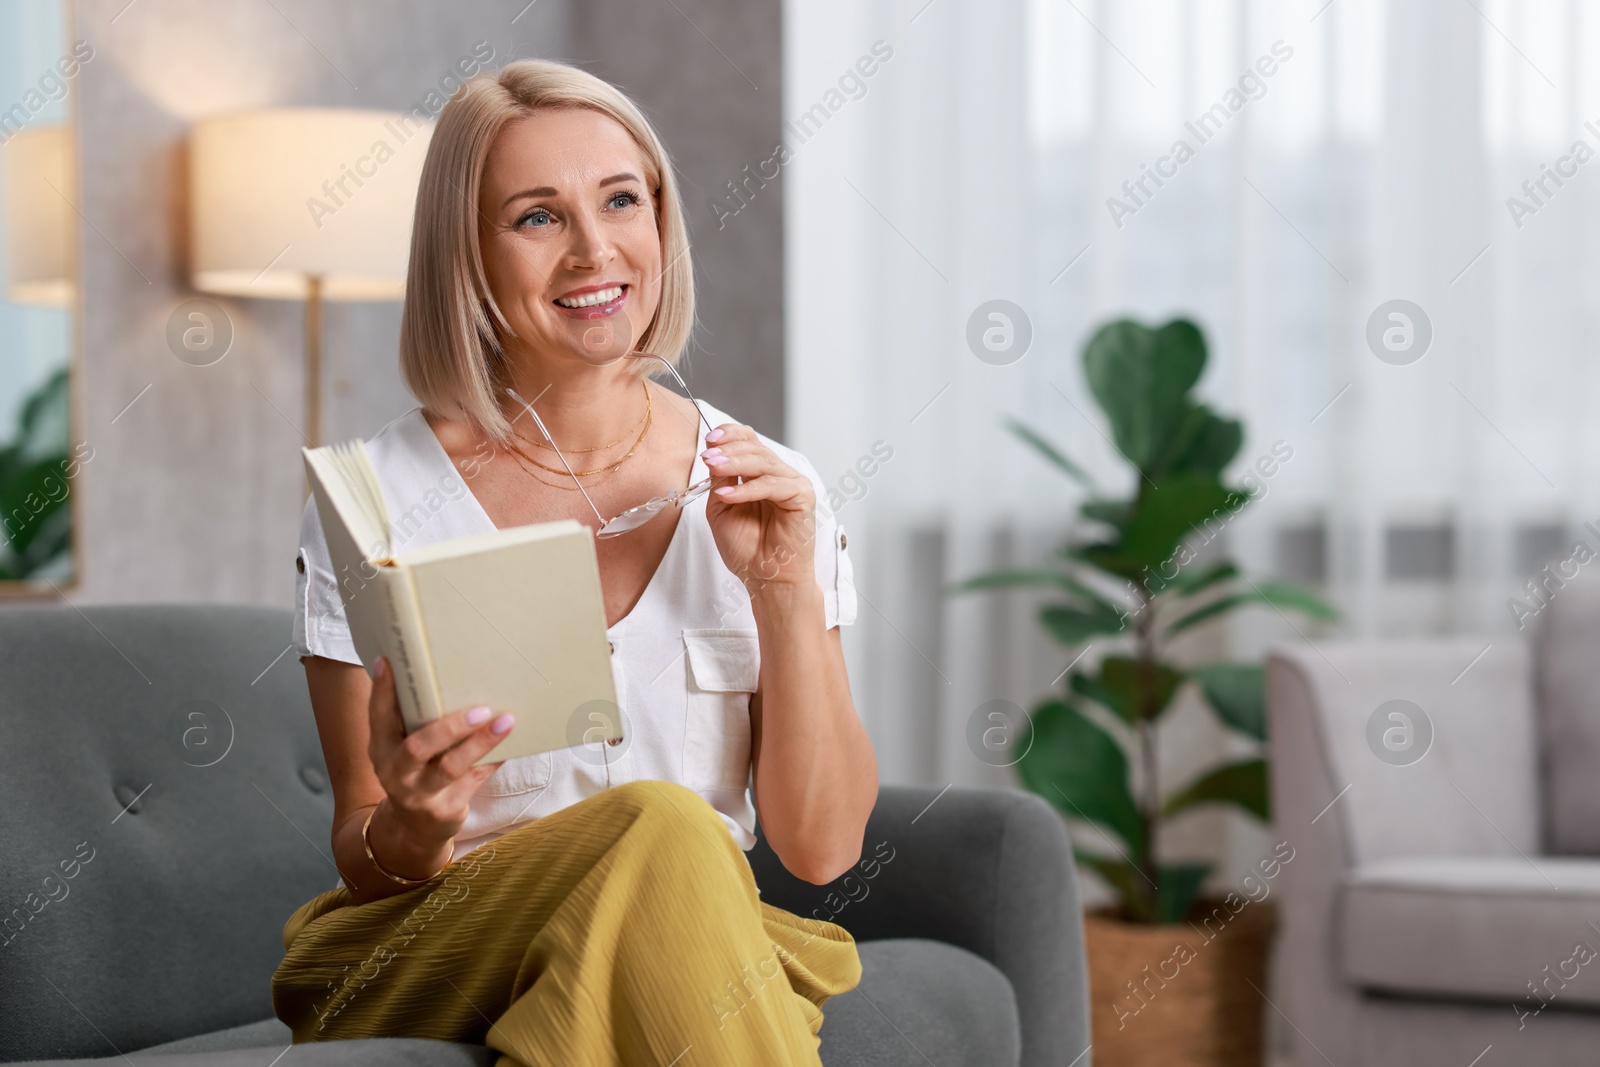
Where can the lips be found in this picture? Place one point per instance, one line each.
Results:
(593, 302)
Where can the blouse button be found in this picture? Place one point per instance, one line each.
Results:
(613, 645)
(300, 564)
(613, 740)
(843, 540)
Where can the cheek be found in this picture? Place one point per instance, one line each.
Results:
(514, 271)
(643, 250)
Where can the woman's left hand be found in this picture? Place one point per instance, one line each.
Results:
(765, 528)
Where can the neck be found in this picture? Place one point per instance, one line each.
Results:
(582, 406)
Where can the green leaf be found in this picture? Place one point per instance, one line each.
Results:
(1238, 694)
(1126, 687)
(1179, 886)
(1072, 625)
(1190, 584)
(1123, 878)
(1090, 686)
(30, 492)
(1049, 452)
(1280, 595)
(1111, 512)
(1105, 557)
(1141, 377)
(1009, 579)
(1166, 514)
(1081, 769)
(1243, 783)
(1202, 443)
(1006, 579)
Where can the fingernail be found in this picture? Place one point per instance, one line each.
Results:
(502, 724)
(723, 490)
(382, 668)
(478, 715)
(714, 435)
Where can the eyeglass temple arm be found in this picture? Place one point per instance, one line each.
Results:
(679, 377)
(529, 409)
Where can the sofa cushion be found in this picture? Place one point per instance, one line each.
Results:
(922, 1002)
(369, 1052)
(919, 1001)
(1474, 927)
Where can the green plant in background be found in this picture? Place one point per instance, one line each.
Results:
(1142, 377)
(35, 521)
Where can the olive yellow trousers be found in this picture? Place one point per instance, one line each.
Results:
(624, 929)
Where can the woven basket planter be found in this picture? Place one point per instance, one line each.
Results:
(1180, 995)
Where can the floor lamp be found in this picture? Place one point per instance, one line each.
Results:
(310, 204)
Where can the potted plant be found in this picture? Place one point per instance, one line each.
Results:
(1170, 972)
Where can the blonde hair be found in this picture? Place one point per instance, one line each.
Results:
(450, 353)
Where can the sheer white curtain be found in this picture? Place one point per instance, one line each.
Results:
(1343, 155)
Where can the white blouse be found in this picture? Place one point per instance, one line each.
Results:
(685, 660)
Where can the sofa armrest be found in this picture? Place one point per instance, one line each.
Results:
(987, 870)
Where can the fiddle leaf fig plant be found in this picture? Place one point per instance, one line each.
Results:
(1133, 583)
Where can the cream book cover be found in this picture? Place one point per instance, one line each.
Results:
(510, 618)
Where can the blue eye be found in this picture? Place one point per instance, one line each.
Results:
(629, 199)
(537, 213)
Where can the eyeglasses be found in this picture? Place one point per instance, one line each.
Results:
(634, 517)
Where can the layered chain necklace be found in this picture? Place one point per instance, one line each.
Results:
(643, 426)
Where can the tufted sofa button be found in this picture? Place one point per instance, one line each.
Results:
(129, 798)
(314, 779)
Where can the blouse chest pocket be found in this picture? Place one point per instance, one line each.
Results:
(723, 670)
(518, 775)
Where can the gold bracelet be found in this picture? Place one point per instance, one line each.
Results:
(407, 882)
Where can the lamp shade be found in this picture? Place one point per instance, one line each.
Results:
(283, 195)
(37, 164)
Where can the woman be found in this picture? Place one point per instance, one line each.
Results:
(591, 905)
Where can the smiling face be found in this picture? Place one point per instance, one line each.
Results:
(567, 228)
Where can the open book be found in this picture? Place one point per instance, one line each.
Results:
(510, 618)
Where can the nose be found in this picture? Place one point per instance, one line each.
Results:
(589, 249)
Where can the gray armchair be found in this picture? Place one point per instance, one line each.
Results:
(1442, 905)
(167, 808)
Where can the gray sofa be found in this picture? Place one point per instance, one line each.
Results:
(1440, 906)
(167, 807)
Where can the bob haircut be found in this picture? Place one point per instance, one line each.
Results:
(451, 357)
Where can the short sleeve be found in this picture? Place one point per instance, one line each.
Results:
(320, 627)
(834, 572)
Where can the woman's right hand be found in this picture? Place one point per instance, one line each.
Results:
(431, 774)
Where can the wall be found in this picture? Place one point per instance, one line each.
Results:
(195, 489)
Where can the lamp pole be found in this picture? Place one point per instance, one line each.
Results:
(314, 359)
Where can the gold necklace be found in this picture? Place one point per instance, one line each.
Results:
(516, 455)
(648, 419)
(597, 448)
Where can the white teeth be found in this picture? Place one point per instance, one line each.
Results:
(599, 296)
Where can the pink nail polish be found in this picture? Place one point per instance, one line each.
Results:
(714, 435)
(478, 715)
(502, 725)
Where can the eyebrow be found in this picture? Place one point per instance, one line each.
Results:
(547, 190)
